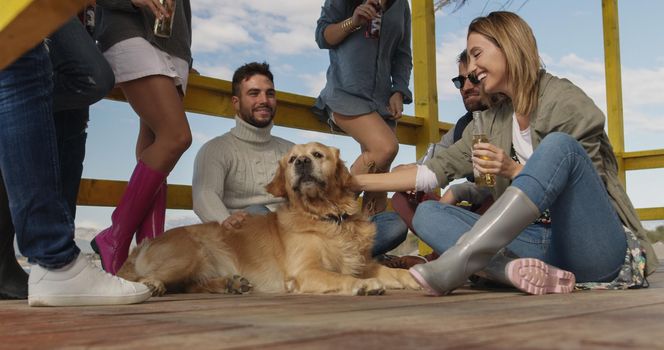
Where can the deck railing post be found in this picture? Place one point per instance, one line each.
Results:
(424, 77)
(424, 72)
(613, 82)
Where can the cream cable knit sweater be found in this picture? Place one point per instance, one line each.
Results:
(231, 171)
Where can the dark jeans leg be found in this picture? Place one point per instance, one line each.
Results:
(29, 162)
(70, 128)
(81, 75)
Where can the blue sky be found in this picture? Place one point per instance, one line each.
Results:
(229, 33)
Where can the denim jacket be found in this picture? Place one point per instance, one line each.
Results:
(365, 72)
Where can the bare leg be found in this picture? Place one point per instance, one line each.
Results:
(379, 146)
(159, 105)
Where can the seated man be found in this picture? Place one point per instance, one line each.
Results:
(231, 170)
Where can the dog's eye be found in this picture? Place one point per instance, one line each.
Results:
(318, 155)
(292, 159)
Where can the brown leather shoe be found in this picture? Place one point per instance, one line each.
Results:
(406, 261)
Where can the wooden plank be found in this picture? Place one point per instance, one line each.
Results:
(640, 160)
(647, 214)
(107, 193)
(466, 319)
(424, 72)
(612, 73)
(24, 23)
(210, 96)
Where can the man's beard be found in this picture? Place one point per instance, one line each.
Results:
(259, 123)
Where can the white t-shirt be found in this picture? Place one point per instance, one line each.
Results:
(522, 142)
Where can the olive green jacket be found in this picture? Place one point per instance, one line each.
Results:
(561, 107)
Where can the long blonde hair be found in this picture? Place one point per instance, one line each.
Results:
(512, 35)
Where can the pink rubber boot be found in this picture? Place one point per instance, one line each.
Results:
(112, 244)
(153, 223)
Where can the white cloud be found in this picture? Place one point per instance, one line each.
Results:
(446, 64)
(314, 82)
(643, 104)
(219, 71)
(313, 136)
(200, 137)
(279, 27)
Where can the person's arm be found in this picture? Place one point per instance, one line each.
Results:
(335, 24)
(402, 62)
(398, 181)
(208, 186)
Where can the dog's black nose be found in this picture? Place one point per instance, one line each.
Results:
(303, 163)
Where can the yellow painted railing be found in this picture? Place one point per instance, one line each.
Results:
(24, 22)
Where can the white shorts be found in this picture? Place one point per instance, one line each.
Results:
(136, 58)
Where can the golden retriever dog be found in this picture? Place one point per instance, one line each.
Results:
(318, 241)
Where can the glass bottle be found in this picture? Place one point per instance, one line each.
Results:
(479, 135)
(373, 28)
(164, 26)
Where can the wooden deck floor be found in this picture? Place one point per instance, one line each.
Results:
(469, 319)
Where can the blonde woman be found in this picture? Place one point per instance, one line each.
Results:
(550, 153)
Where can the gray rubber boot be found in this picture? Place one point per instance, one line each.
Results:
(496, 271)
(505, 219)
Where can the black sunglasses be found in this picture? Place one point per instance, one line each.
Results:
(460, 80)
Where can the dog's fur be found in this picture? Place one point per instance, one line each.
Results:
(317, 242)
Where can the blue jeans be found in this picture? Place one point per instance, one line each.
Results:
(586, 236)
(391, 230)
(257, 209)
(81, 74)
(29, 162)
(81, 77)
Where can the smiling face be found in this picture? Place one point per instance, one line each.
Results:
(488, 63)
(470, 93)
(257, 101)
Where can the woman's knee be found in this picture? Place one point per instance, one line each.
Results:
(177, 142)
(560, 140)
(384, 154)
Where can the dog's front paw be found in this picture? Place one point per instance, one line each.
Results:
(238, 285)
(156, 287)
(370, 286)
(407, 280)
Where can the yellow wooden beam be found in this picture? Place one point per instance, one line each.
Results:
(648, 214)
(24, 23)
(212, 96)
(107, 193)
(613, 81)
(424, 73)
(424, 78)
(644, 159)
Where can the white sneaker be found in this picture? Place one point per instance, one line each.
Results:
(81, 283)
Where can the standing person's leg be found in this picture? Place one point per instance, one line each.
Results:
(13, 279)
(168, 122)
(81, 74)
(28, 160)
(379, 146)
(81, 77)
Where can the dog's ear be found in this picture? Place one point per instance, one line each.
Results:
(277, 187)
(342, 174)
